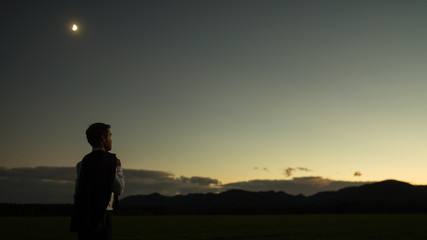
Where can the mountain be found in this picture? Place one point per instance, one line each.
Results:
(232, 201)
(386, 191)
(382, 197)
(389, 196)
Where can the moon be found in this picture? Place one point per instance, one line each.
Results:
(74, 28)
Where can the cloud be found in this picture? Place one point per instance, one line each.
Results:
(304, 185)
(165, 183)
(316, 182)
(288, 172)
(37, 185)
(203, 181)
(263, 169)
(56, 184)
(357, 174)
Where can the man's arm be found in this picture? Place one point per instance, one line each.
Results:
(119, 180)
(78, 167)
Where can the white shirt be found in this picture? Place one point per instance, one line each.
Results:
(118, 186)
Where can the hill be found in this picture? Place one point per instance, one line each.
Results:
(389, 196)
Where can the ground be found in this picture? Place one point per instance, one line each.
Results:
(227, 227)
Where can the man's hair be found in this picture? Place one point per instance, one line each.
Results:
(95, 132)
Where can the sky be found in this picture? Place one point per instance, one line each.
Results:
(234, 91)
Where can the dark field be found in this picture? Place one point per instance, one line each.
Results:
(364, 226)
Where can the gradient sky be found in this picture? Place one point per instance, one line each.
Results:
(231, 90)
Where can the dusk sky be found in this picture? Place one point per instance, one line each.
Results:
(228, 90)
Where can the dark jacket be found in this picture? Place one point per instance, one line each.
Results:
(93, 192)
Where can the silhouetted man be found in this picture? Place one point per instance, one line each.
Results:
(99, 180)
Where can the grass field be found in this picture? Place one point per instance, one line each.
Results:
(364, 226)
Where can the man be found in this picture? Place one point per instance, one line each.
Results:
(99, 180)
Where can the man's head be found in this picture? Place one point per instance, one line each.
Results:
(99, 136)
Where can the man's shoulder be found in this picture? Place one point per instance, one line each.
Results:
(105, 154)
(99, 153)
(94, 156)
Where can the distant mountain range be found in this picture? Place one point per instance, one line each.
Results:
(383, 197)
(389, 196)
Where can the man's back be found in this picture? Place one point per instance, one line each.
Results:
(93, 191)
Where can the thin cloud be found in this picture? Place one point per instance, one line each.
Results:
(317, 182)
(200, 181)
(304, 185)
(289, 172)
(263, 169)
